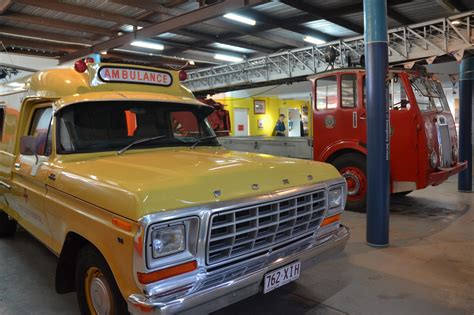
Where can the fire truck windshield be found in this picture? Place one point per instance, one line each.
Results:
(429, 94)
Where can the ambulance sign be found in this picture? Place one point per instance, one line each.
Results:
(112, 74)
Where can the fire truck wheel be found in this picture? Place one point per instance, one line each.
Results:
(352, 167)
(7, 225)
(96, 289)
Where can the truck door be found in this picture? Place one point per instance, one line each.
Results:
(338, 119)
(404, 129)
(29, 176)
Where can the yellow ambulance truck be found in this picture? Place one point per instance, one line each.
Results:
(115, 169)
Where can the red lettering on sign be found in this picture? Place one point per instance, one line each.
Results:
(124, 74)
(145, 77)
(132, 75)
(165, 79)
(107, 73)
(240, 127)
(115, 74)
(152, 77)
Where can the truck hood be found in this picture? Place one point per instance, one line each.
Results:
(140, 183)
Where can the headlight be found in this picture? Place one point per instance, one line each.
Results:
(171, 241)
(168, 241)
(336, 197)
(434, 159)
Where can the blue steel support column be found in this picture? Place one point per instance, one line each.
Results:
(378, 120)
(466, 84)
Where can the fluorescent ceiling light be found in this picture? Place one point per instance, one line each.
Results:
(234, 48)
(139, 43)
(130, 28)
(240, 18)
(456, 22)
(313, 40)
(16, 84)
(228, 58)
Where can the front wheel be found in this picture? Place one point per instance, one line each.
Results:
(353, 167)
(96, 289)
(7, 225)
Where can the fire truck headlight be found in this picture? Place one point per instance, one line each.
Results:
(434, 159)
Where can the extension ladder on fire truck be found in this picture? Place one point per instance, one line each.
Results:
(426, 40)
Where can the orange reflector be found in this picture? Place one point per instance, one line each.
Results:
(124, 225)
(146, 278)
(330, 220)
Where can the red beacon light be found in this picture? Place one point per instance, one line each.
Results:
(183, 76)
(81, 64)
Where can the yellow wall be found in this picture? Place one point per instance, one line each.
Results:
(273, 105)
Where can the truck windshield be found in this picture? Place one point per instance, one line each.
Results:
(113, 125)
(429, 94)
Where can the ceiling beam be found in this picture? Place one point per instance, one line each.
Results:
(321, 13)
(23, 32)
(60, 24)
(5, 5)
(280, 23)
(81, 11)
(238, 29)
(33, 44)
(205, 40)
(174, 23)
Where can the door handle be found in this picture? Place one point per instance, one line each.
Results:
(17, 166)
(363, 117)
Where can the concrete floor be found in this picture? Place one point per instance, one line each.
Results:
(428, 269)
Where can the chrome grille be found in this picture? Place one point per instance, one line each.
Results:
(244, 231)
(445, 147)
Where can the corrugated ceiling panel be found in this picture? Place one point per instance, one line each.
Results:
(330, 28)
(108, 6)
(277, 10)
(40, 28)
(258, 41)
(31, 10)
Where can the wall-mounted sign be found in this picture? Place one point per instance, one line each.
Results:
(260, 124)
(240, 127)
(259, 107)
(111, 74)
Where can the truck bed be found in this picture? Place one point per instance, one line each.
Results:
(296, 147)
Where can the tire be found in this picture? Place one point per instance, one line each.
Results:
(92, 271)
(7, 225)
(353, 167)
(401, 194)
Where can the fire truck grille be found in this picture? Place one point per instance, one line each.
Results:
(245, 231)
(445, 147)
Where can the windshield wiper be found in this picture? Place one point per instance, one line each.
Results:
(122, 151)
(202, 139)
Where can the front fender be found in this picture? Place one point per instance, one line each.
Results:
(350, 145)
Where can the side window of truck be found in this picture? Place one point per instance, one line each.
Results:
(40, 128)
(348, 91)
(326, 93)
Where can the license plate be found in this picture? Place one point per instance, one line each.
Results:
(276, 278)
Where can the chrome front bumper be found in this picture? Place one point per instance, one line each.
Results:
(207, 298)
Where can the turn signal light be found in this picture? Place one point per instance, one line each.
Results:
(331, 219)
(146, 278)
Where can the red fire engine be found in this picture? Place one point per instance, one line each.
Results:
(423, 140)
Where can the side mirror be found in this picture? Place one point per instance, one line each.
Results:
(28, 145)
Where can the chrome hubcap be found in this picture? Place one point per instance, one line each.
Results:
(353, 183)
(100, 295)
